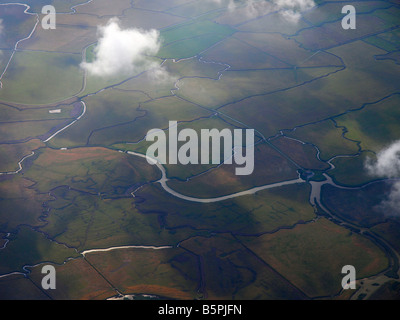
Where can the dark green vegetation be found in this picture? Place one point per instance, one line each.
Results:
(322, 101)
(318, 246)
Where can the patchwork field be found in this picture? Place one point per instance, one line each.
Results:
(76, 190)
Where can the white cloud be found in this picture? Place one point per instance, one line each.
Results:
(387, 164)
(122, 51)
(1, 27)
(291, 10)
(160, 75)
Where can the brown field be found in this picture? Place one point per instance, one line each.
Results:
(19, 204)
(105, 7)
(134, 18)
(68, 38)
(231, 51)
(51, 156)
(76, 280)
(303, 154)
(81, 19)
(231, 271)
(287, 50)
(159, 291)
(165, 272)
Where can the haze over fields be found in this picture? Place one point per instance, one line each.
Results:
(79, 192)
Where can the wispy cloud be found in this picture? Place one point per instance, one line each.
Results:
(291, 10)
(387, 164)
(123, 51)
(1, 27)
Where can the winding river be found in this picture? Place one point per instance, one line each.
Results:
(163, 181)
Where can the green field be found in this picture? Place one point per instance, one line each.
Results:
(29, 80)
(190, 39)
(376, 125)
(38, 249)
